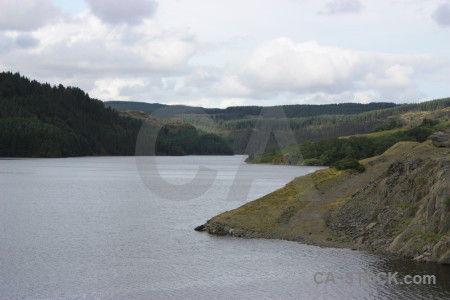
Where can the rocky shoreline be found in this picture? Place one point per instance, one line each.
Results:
(399, 206)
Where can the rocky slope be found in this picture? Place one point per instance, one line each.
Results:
(400, 205)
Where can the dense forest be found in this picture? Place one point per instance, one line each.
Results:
(183, 139)
(40, 120)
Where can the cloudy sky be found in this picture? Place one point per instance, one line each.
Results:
(221, 53)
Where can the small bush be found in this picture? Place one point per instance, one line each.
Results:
(349, 163)
(421, 180)
(293, 157)
(447, 203)
(429, 122)
(419, 133)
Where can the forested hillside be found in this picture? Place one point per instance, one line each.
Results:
(40, 120)
(344, 152)
(303, 122)
(333, 125)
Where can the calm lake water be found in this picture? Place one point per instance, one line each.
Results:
(89, 228)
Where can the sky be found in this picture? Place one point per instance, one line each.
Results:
(214, 53)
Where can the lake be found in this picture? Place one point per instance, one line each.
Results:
(108, 228)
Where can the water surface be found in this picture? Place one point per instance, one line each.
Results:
(88, 228)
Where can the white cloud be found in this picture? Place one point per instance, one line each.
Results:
(231, 86)
(394, 76)
(82, 45)
(26, 40)
(366, 96)
(442, 14)
(181, 54)
(282, 66)
(201, 78)
(165, 50)
(26, 14)
(15, 41)
(119, 12)
(109, 62)
(109, 89)
(342, 7)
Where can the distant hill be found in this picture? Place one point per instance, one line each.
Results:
(304, 122)
(138, 106)
(238, 112)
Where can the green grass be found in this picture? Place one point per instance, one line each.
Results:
(431, 237)
(401, 225)
(405, 206)
(442, 125)
(375, 134)
(420, 180)
(266, 213)
(326, 175)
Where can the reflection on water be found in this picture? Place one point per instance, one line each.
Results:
(88, 228)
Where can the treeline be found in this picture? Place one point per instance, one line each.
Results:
(345, 152)
(40, 120)
(183, 139)
(239, 112)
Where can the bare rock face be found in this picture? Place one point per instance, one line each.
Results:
(441, 138)
(405, 211)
